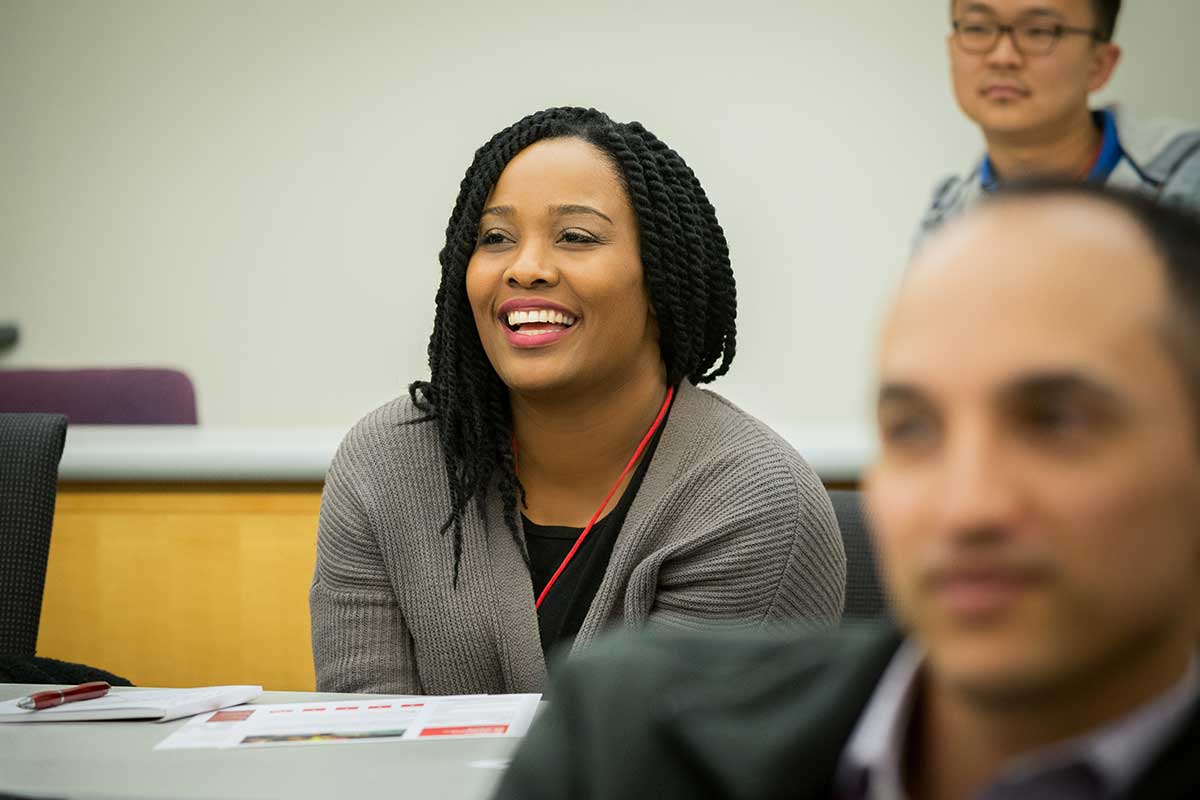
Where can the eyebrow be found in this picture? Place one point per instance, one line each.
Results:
(900, 394)
(1064, 383)
(1045, 385)
(1036, 11)
(572, 208)
(558, 211)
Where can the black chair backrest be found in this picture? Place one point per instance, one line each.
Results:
(30, 448)
(865, 596)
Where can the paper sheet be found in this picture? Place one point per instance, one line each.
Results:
(125, 702)
(356, 721)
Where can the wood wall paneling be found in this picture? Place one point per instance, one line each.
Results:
(183, 586)
(192, 585)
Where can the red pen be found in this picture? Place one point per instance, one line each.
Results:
(56, 697)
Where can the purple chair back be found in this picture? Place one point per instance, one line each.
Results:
(131, 396)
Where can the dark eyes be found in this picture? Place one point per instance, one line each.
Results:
(908, 431)
(492, 238)
(1054, 420)
(571, 236)
(576, 236)
(1041, 424)
(1037, 32)
(1031, 29)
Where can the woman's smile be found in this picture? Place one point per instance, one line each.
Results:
(533, 322)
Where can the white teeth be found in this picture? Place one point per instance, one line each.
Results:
(540, 315)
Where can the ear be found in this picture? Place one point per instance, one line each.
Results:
(1104, 63)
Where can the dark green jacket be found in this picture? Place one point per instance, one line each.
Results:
(729, 716)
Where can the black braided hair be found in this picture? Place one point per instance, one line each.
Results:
(686, 264)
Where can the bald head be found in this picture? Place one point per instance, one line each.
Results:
(1035, 245)
(1035, 283)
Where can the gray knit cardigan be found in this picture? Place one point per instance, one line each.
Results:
(730, 526)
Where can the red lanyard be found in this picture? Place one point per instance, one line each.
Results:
(662, 412)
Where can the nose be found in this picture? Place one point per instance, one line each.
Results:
(980, 488)
(1005, 55)
(532, 267)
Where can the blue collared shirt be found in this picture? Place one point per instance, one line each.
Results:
(1095, 766)
(1110, 156)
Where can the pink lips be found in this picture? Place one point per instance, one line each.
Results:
(1004, 92)
(976, 593)
(527, 341)
(538, 338)
(976, 596)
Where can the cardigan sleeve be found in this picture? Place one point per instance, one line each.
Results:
(360, 640)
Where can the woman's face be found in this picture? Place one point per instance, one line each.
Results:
(555, 282)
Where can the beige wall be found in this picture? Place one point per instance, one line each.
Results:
(256, 191)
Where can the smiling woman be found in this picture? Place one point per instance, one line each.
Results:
(560, 471)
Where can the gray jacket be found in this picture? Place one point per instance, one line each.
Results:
(729, 526)
(1160, 157)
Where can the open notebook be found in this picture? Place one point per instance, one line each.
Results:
(124, 702)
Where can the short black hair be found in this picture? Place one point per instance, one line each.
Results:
(1107, 12)
(688, 277)
(1173, 231)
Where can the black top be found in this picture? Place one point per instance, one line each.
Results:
(564, 609)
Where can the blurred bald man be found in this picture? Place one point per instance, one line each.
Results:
(1036, 508)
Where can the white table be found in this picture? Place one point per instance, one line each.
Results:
(117, 759)
(838, 452)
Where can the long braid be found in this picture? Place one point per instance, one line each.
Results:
(688, 277)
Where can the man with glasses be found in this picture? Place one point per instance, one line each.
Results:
(1022, 71)
(1036, 509)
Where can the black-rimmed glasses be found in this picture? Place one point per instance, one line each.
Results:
(1030, 38)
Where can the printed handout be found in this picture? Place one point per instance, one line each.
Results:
(356, 721)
